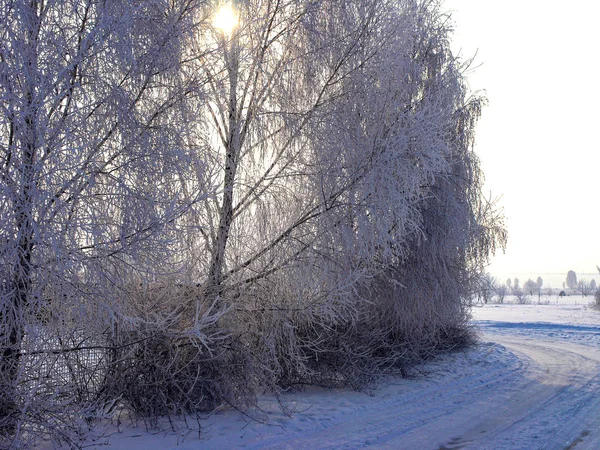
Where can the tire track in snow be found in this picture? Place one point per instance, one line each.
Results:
(549, 401)
(376, 424)
(553, 410)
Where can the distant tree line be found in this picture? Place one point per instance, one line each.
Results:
(490, 287)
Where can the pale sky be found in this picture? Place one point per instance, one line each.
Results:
(539, 137)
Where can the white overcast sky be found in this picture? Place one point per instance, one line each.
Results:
(539, 137)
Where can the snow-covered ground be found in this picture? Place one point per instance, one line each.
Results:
(532, 383)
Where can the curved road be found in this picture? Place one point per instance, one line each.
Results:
(555, 405)
(549, 399)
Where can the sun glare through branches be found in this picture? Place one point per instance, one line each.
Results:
(226, 18)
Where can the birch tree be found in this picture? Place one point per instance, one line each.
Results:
(283, 100)
(332, 130)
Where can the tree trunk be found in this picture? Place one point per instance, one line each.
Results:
(15, 304)
(232, 152)
(16, 301)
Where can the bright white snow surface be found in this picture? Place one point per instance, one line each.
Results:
(532, 383)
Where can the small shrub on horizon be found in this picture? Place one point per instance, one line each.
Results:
(596, 304)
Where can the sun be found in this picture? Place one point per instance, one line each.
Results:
(226, 18)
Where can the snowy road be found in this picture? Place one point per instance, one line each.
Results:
(547, 400)
(553, 405)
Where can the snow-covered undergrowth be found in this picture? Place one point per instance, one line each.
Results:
(438, 402)
(317, 409)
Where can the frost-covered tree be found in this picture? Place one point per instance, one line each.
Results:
(92, 153)
(539, 283)
(584, 287)
(571, 279)
(521, 295)
(530, 286)
(335, 171)
(488, 287)
(291, 198)
(501, 292)
(339, 138)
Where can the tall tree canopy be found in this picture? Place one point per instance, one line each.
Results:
(191, 211)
